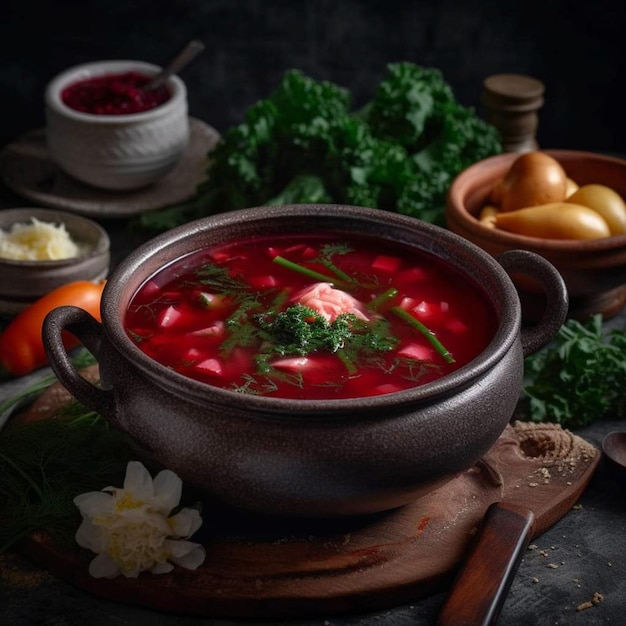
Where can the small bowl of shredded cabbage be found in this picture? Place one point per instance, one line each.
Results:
(42, 249)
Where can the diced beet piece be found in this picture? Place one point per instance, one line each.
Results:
(168, 317)
(292, 364)
(265, 281)
(408, 304)
(297, 248)
(410, 276)
(430, 310)
(192, 354)
(210, 366)
(214, 330)
(220, 256)
(456, 325)
(151, 288)
(171, 296)
(386, 263)
(417, 351)
(386, 388)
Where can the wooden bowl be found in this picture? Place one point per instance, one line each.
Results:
(594, 270)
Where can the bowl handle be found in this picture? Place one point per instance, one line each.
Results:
(89, 331)
(557, 301)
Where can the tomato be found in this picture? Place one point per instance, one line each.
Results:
(605, 201)
(555, 220)
(533, 178)
(21, 345)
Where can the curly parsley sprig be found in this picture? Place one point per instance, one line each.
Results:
(579, 377)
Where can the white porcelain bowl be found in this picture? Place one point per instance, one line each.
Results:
(117, 152)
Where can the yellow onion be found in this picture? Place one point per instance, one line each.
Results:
(533, 178)
(605, 201)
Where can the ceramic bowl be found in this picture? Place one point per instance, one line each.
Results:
(309, 457)
(594, 270)
(116, 152)
(23, 282)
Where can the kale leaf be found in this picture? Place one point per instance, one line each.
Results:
(579, 377)
(305, 143)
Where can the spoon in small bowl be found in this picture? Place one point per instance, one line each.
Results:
(185, 56)
(614, 448)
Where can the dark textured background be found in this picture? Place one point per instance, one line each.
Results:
(576, 49)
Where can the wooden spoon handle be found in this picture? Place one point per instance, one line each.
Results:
(483, 582)
(187, 54)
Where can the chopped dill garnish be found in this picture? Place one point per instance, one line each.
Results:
(415, 368)
(300, 330)
(242, 332)
(219, 279)
(137, 337)
(374, 336)
(255, 387)
(327, 252)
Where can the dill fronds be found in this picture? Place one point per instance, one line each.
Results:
(45, 464)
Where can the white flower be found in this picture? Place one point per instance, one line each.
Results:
(131, 530)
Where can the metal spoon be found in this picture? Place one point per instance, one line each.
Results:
(185, 56)
(614, 448)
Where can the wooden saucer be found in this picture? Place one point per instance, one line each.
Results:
(283, 568)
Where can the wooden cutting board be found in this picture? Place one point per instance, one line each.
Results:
(280, 568)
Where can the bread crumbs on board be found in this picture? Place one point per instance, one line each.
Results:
(15, 576)
(597, 598)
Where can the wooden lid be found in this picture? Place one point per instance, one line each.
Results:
(512, 92)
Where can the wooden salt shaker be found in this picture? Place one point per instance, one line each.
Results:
(512, 102)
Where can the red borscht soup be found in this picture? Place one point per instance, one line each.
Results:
(311, 317)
